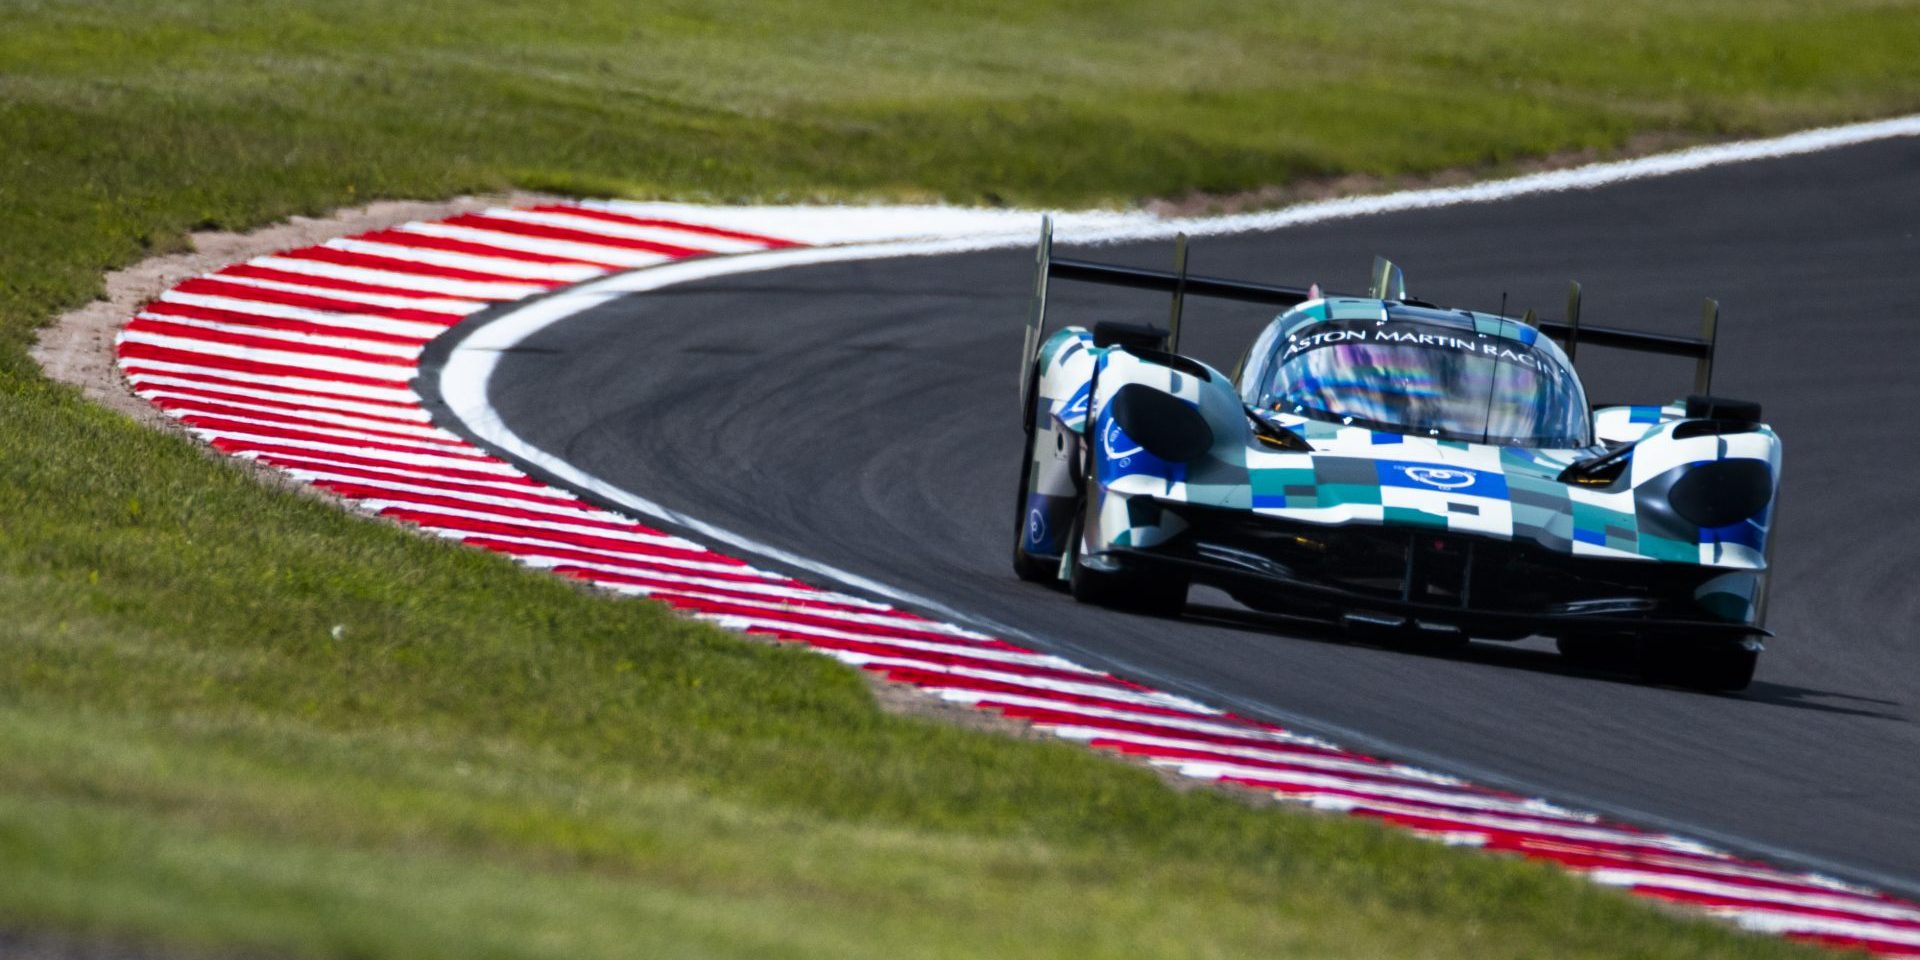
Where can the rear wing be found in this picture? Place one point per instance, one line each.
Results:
(1571, 334)
(1388, 284)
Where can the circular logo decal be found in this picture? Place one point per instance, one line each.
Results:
(1122, 458)
(1440, 477)
(1036, 527)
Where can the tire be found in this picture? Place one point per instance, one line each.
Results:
(1128, 590)
(1121, 589)
(1723, 666)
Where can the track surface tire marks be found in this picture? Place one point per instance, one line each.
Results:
(862, 414)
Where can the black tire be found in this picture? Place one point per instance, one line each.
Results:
(1122, 589)
(1723, 666)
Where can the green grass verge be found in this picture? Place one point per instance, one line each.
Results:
(491, 763)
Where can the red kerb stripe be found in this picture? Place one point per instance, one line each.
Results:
(504, 528)
(1069, 719)
(345, 329)
(222, 396)
(363, 491)
(624, 560)
(346, 286)
(929, 678)
(449, 245)
(436, 482)
(211, 287)
(291, 435)
(545, 232)
(206, 408)
(368, 261)
(1386, 774)
(186, 332)
(147, 351)
(136, 371)
(931, 656)
(802, 618)
(328, 458)
(1698, 898)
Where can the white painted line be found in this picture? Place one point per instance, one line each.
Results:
(988, 228)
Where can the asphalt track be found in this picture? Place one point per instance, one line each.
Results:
(863, 414)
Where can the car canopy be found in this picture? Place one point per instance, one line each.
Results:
(1452, 375)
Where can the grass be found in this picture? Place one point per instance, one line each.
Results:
(488, 763)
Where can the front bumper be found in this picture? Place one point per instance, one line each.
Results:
(1399, 576)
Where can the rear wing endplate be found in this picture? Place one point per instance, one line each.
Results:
(1572, 333)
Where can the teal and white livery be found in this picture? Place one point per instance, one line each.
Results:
(1400, 468)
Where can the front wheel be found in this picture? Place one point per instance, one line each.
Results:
(1122, 589)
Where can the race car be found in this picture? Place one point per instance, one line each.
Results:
(1400, 469)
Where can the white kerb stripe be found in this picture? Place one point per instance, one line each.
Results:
(294, 339)
(630, 231)
(393, 373)
(403, 396)
(502, 266)
(564, 249)
(425, 283)
(431, 304)
(147, 383)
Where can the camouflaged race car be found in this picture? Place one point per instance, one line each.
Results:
(1401, 469)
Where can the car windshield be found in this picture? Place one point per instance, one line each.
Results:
(1429, 380)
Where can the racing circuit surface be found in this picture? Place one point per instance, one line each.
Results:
(864, 415)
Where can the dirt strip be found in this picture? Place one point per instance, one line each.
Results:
(77, 348)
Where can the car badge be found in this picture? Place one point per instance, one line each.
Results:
(1440, 477)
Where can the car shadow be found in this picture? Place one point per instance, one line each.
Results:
(1498, 654)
